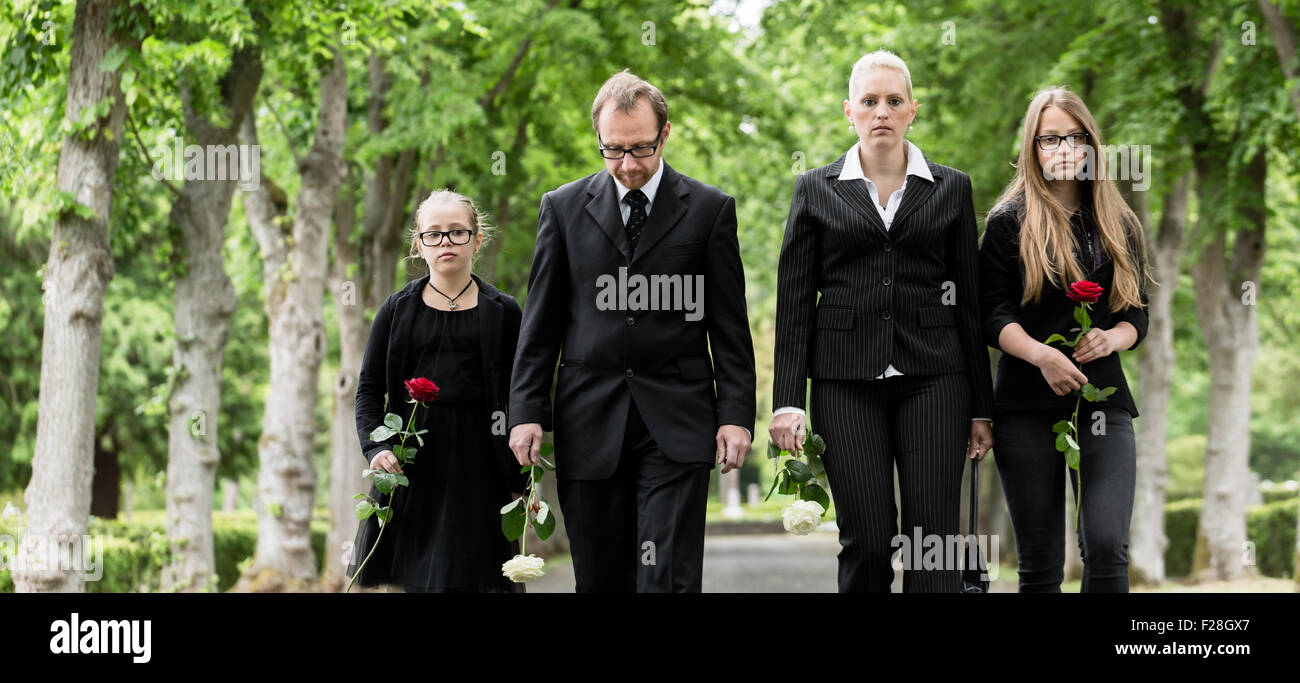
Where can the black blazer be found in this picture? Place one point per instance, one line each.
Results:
(1019, 385)
(381, 387)
(853, 297)
(609, 357)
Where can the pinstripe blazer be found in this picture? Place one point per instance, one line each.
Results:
(852, 297)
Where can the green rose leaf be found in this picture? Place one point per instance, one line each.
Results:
(393, 422)
(512, 524)
(1072, 458)
(1054, 338)
(1081, 317)
(773, 451)
(799, 470)
(512, 505)
(788, 486)
(1062, 426)
(1061, 444)
(381, 433)
(546, 449)
(814, 444)
(538, 472)
(359, 496)
(775, 482)
(547, 464)
(816, 465)
(385, 514)
(1070, 440)
(544, 525)
(364, 509)
(817, 494)
(525, 469)
(1104, 394)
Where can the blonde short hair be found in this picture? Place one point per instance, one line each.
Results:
(880, 59)
(626, 89)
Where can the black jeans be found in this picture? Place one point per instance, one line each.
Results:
(1030, 467)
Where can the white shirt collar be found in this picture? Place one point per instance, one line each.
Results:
(650, 188)
(853, 165)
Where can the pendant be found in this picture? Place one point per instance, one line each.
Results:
(452, 305)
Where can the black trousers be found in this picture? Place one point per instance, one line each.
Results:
(1030, 467)
(642, 529)
(921, 425)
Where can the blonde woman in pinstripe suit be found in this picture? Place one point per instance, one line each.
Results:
(900, 374)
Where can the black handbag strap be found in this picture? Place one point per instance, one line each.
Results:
(974, 495)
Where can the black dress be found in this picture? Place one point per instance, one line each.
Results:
(445, 535)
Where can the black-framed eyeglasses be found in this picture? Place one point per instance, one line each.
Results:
(433, 238)
(637, 152)
(1049, 142)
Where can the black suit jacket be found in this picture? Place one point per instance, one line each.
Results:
(609, 357)
(380, 384)
(853, 297)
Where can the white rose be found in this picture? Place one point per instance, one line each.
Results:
(521, 569)
(802, 516)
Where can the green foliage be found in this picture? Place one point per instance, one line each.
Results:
(1270, 527)
(135, 552)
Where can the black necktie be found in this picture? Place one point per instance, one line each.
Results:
(637, 218)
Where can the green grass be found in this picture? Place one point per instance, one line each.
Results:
(769, 511)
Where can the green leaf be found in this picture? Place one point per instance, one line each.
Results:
(1070, 440)
(1072, 458)
(538, 472)
(381, 433)
(1104, 394)
(1062, 426)
(1054, 338)
(387, 481)
(788, 486)
(1081, 317)
(816, 465)
(816, 493)
(385, 514)
(814, 444)
(393, 422)
(773, 451)
(364, 509)
(512, 505)
(419, 439)
(544, 525)
(1061, 444)
(799, 470)
(359, 496)
(1088, 390)
(525, 469)
(546, 449)
(512, 524)
(547, 464)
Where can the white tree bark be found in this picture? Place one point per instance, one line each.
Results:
(204, 302)
(295, 287)
(1147, 541)
(53, 547)
(1225, 287)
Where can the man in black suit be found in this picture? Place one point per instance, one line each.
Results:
(617, 293)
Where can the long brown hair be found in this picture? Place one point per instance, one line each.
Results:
(1046, 240)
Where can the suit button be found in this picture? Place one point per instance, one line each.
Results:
(887, 315)
(886, 281)
(629, 320)
(889, 247)
(629, 372)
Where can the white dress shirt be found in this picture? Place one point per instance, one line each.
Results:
(852, 170)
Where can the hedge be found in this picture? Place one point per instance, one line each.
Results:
(135, 552)
(1271, 527)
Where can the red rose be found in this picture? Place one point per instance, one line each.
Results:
(422, 390)
(1084, 292)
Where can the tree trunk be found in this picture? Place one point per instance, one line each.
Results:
(1147, 541)
(1284, 39)
(203, 304)
(286, 480)
(80, 265)
(345, 465)
(1225, 306)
